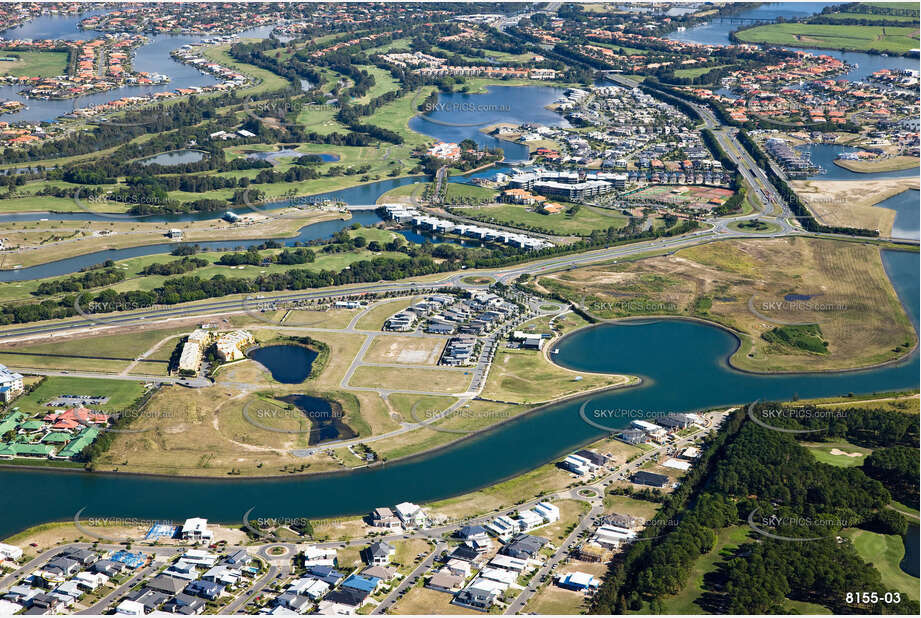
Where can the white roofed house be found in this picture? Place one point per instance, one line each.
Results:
(10, 552)
(529, 520)
(550, 512)
(196, 529)
(411, 514)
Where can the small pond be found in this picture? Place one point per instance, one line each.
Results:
(288, 363)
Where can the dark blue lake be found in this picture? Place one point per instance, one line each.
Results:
(288, 364)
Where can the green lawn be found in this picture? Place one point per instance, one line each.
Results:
(697, 71)
(826, 36)
(34, 63)
(456, 192)
(121, 393)
(873, 16)
(885, 552)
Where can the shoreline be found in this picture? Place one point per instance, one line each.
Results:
(244, 240)
(639, 381)
(739, 343)
(848, 165)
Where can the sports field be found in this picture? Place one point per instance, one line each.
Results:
(33, 63)
(825, 36)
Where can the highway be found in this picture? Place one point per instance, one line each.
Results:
(767, 200)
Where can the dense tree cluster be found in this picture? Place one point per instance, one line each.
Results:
(753, 474)
(91, 279)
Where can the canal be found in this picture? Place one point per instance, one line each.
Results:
(684, 366)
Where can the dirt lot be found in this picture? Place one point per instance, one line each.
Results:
(851, 202)
(754, 286)
(409, 350)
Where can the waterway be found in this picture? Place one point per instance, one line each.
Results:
(459, 116)
(152, 57)
(314, 231)
(824, 156)
(717, 33)
(288, 364)
(684, 366)
(907, 221)
(910, 561)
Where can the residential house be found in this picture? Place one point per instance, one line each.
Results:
(379, 553)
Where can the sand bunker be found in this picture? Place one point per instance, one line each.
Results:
(836, 451)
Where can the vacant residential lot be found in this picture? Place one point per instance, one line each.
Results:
(409, 350)
(429, 380)
(756, 286)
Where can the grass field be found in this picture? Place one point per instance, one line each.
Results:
(696, 72)
(34, 63)
(391, 378)
(583, 223)
(826, 36)
(545, 479)
(121, 393)
(744, 286)
(885, 552)
(873, 16)
(526, 376)
(107, 353)
(887, 164)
